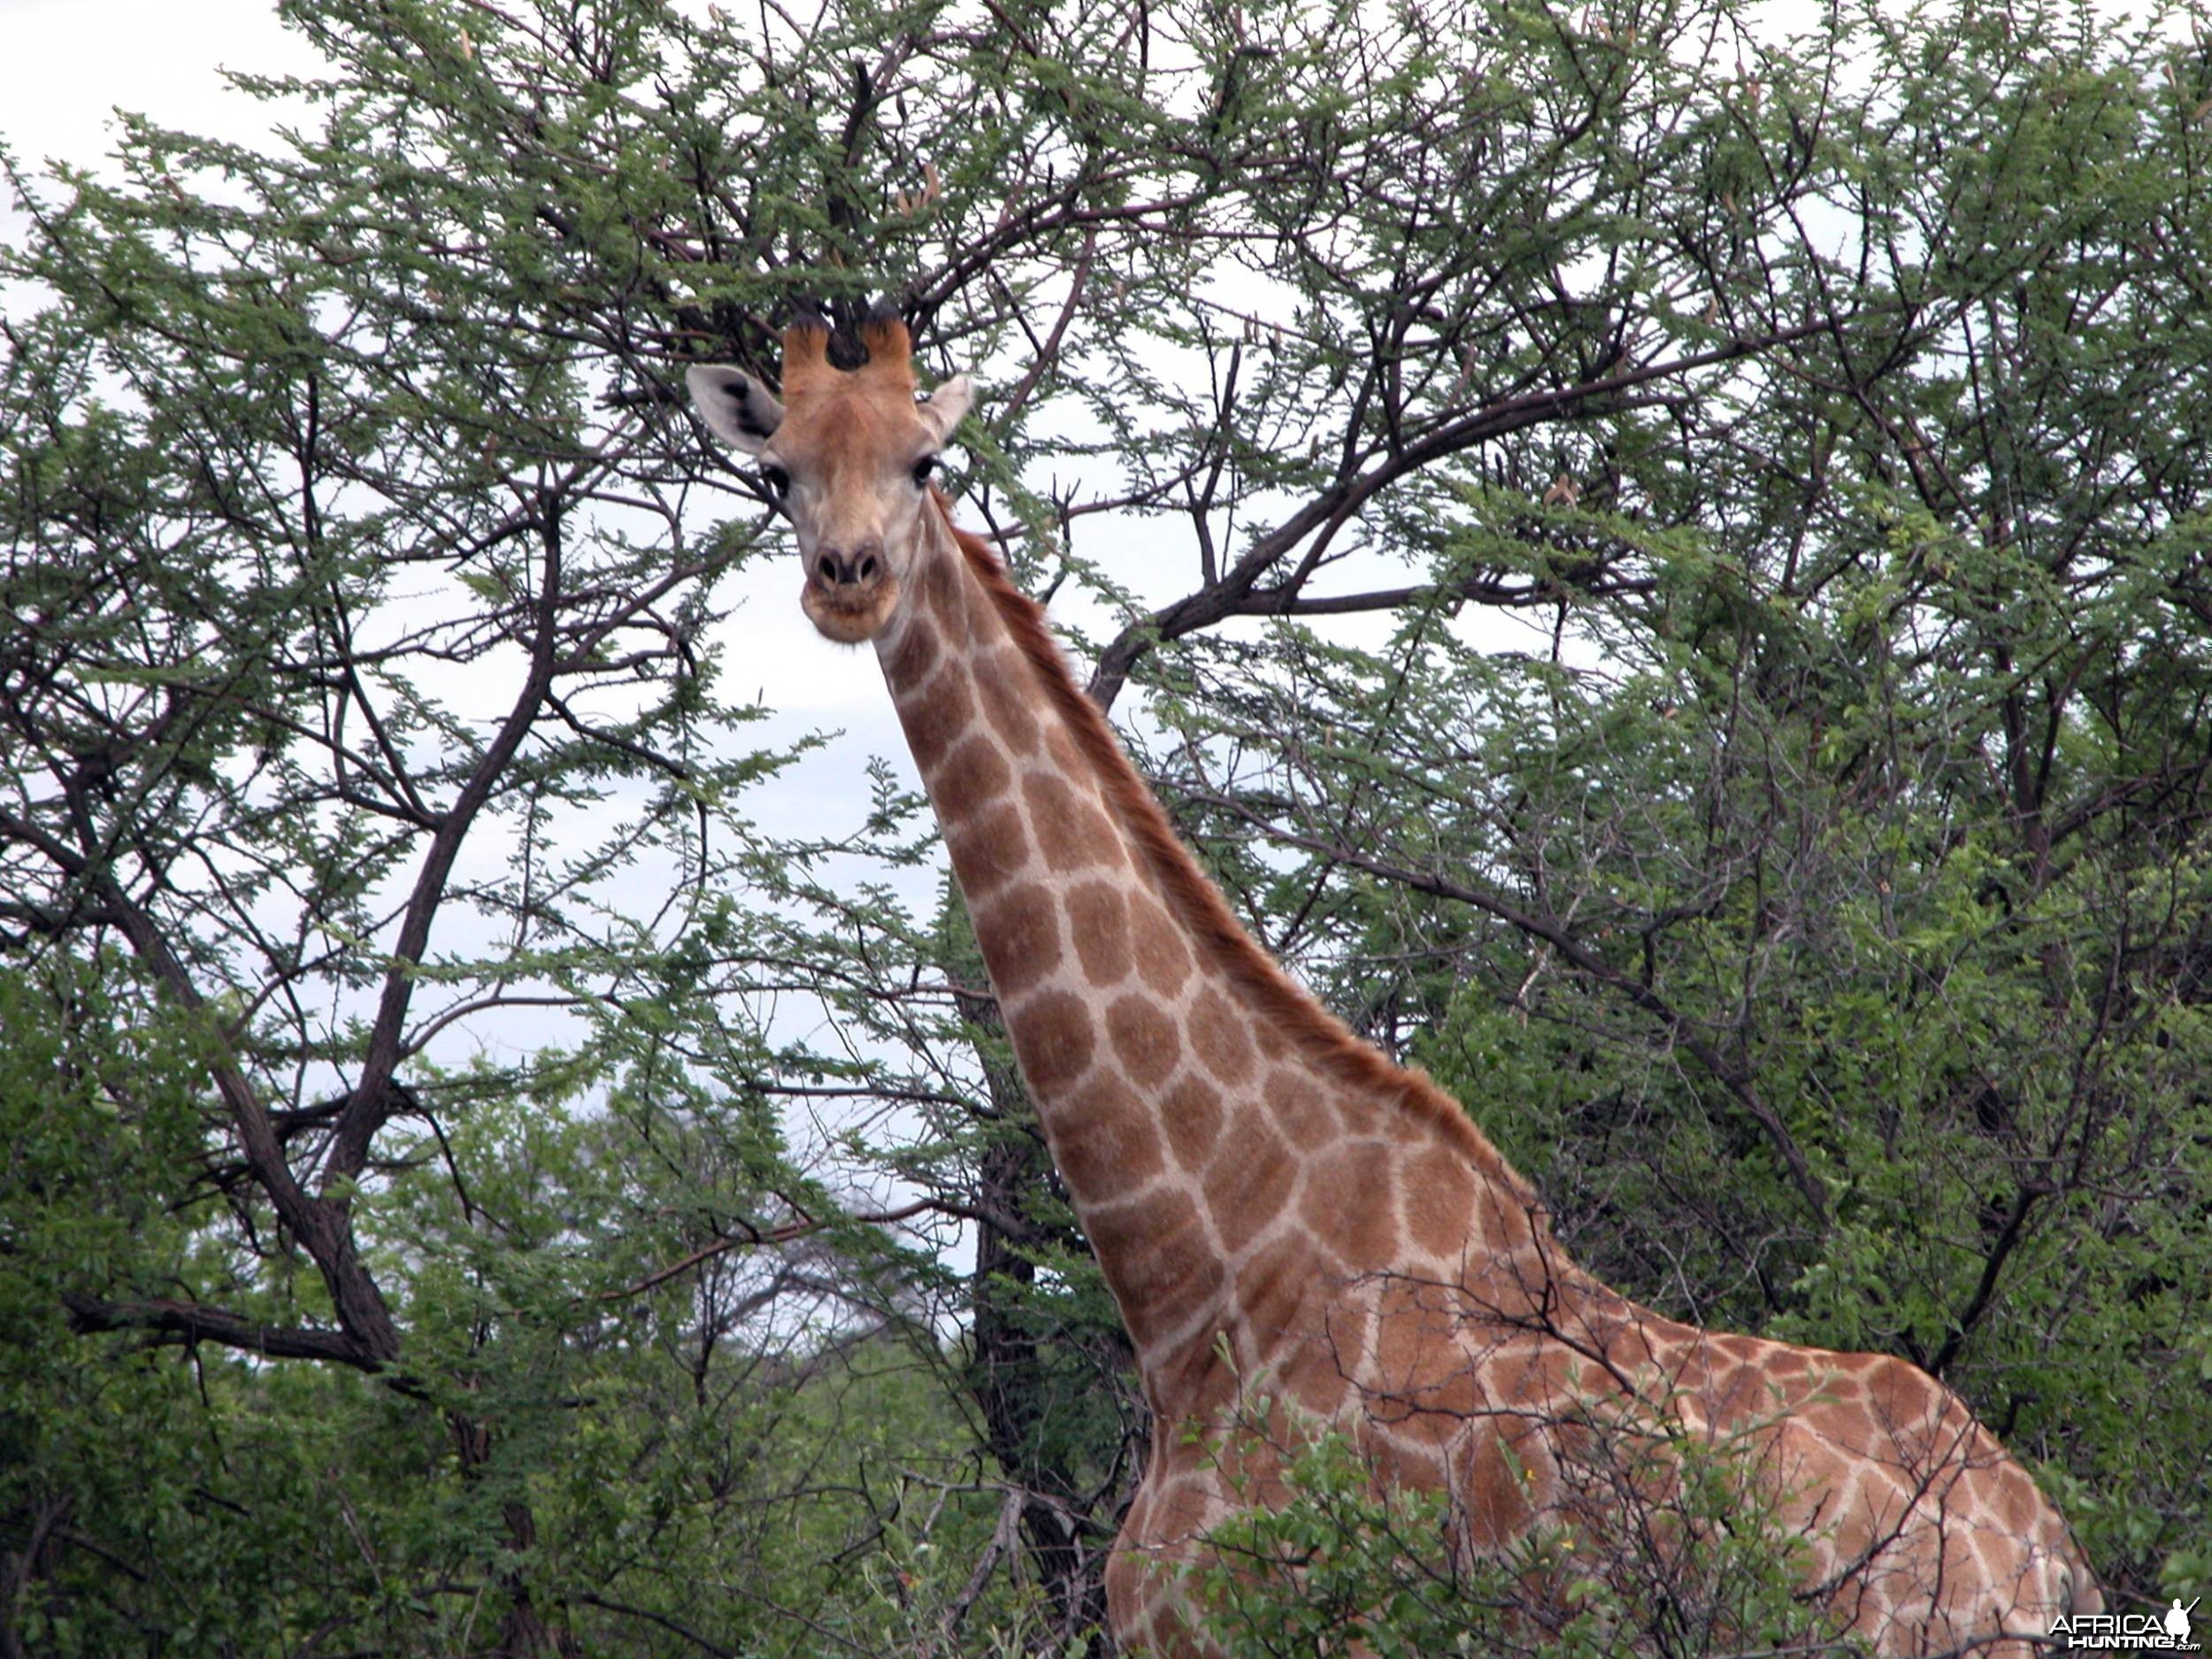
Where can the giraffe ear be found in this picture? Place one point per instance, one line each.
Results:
(734, 405)
(943, 408)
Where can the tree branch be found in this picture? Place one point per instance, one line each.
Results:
(1335, 506)
(172, 1322)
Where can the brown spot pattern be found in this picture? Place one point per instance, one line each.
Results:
(1145, 1039)
(1497, 1503)
(1072, 832)
(1019, 932)
(1272, 1288)
(1829, 1417)
(1220, 1037)
(937, 720)
(1406, 1344)
(1191, 1114)
(1313, 1380)
(1249, 1180)
(1053, 1040)
(1103, 1141)
(1352, 1201)
(974, 772)
(1191, 1375)
(916, 652)
(987, 847)
(1791, 1362)
(1299, 1107)
(1444, 1399)
(942, 588)
(999, 678)
(1439, 1201)
(1157, 1257)
(1060, 746)
(1397, 1461)
(1345, 1326)
(1736, 1393)
(1163, 960)
(1098, 920)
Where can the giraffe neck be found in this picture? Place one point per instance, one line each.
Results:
(1225, 1142)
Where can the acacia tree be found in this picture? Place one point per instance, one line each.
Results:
(404, 1219)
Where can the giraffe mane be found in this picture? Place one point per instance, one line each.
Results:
(1294, 1009)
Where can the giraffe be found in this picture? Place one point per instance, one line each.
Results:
(1283, 1214)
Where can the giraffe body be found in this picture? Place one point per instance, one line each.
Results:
(1281, 1212)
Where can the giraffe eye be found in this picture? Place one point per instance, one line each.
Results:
(923, 468)
(778, 481)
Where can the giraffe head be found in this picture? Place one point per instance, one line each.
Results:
(848, 456)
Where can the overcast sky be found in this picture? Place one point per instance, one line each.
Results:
(66, 65)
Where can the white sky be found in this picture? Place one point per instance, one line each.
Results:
(66, 65)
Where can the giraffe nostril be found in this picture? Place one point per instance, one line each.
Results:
(867, 567)
(826, 567)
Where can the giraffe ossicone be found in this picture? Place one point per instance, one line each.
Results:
(1271, 1198)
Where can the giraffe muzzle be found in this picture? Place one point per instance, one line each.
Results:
(849, 592)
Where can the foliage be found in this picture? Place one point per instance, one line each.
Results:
(1694, 1560)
